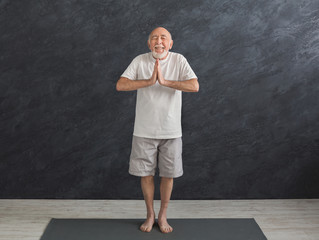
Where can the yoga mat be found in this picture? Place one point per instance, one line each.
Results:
(128, 229)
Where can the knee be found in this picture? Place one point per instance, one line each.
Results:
(166, 179)
(147, 178)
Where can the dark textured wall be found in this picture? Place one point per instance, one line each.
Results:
(251, 132)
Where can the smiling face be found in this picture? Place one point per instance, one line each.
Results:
(160, 42)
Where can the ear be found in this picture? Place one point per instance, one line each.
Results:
(171, 45)
(148, 44)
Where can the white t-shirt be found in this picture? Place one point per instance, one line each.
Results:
(159, 108)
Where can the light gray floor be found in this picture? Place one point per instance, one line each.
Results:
(293, 219)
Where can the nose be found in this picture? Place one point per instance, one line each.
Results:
(159, 41)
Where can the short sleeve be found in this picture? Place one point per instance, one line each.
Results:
(131, 70)
(186, 70)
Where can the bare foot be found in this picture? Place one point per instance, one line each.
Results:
(164, 226)
(148, 224)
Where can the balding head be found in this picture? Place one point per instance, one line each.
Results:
(160, 29)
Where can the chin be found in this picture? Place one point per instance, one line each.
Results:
(159, 55)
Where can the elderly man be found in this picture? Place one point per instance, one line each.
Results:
(159, 77)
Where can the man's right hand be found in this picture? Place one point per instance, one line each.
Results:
(153, 78)
(125, 84)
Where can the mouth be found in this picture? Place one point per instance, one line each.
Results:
(159, 48)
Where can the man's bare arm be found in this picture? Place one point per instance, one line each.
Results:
(125, 84)
(190, 85)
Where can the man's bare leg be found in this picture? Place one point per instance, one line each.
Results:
(147, 184)
(166, 188)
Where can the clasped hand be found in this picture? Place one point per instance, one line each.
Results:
(157, 74)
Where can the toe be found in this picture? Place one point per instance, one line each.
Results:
(143, 228)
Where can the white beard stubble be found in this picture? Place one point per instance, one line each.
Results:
(160, 55)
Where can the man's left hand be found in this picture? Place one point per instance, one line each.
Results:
(160, 77)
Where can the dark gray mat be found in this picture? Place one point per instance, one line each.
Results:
(128, 229)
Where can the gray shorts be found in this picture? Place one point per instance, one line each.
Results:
(146, 151)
